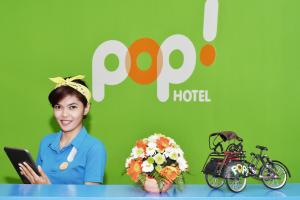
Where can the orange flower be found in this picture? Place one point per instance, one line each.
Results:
(170, 173)
(141, 144)
(134, 169)
(162, 143)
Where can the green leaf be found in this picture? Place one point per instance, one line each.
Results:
(179, 181)
(160, 184)
(142, 178)
(124, 172)
(158, 168)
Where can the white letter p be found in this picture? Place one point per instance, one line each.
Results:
(100, 75)
(170, 75)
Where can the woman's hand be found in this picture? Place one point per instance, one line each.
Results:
(28, 172)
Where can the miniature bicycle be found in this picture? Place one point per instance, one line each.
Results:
(272, 173)
(231, 167)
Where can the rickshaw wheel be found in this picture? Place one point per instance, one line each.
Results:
(274, 183)
(236, 184)
(214, 182)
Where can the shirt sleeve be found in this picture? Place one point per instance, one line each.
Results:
(95, 164)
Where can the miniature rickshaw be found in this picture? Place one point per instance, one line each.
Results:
(229, 164)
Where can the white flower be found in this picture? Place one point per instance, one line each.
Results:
(173, 155)
(171, 141)
(178, 149)
(152, 144)
(150, 151)
(153, 138)
(147, 166)
(128, 160)
(182, 164)
(159, 158)
(180, 152)
(138, 152)
(167, 152)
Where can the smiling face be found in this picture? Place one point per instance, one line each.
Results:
(69, 113)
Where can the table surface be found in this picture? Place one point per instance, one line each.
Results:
(252, 191)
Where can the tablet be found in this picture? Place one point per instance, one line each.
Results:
(17, 156)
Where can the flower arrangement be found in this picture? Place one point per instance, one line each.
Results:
(157, 159)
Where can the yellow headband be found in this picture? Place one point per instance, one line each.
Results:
(77, 86)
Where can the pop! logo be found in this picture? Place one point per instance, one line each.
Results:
(160, 68)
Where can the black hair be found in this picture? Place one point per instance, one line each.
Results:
(61, 92)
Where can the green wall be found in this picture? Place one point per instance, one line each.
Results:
(253, 84)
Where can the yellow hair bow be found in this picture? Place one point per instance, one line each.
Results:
(77, 86)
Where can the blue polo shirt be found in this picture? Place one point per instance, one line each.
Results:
(87, 166)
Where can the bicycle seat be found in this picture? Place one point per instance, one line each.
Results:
(262, 148)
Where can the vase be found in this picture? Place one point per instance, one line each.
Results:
(151, 185)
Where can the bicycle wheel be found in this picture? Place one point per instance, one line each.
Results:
(274, 177)
(236, 184)
(214, 182)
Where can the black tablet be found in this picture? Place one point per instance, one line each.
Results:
(17, 156)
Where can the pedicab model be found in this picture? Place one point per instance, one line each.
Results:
(229, 165)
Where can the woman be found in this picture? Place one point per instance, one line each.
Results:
(70, 156)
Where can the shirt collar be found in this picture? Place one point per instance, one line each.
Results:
(75, 142)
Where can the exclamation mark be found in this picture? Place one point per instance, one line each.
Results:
(208, 53)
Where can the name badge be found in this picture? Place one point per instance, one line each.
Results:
(70, 158)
